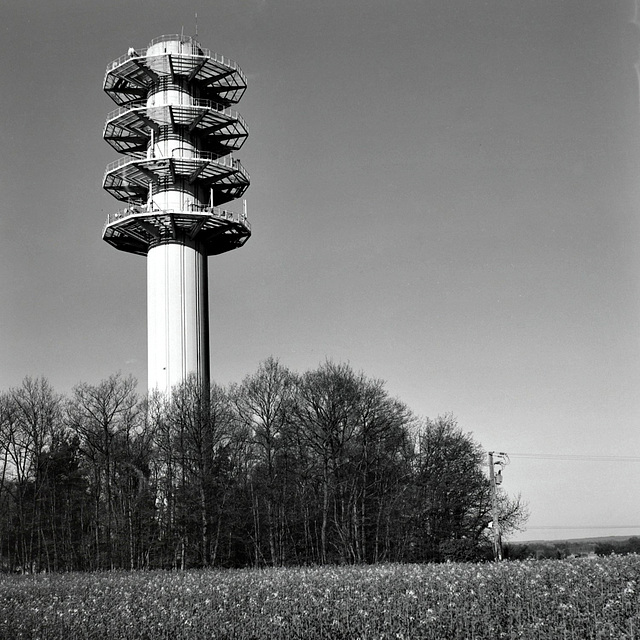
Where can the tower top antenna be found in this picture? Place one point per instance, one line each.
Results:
(196, 25)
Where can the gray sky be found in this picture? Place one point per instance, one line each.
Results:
(445, 194)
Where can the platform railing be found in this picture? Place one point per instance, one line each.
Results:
(199, 52)
(149, 209)
(197, 102)
(224, 161)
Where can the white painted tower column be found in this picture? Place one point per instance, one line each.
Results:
(177, 315)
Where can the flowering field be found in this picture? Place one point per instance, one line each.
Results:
(578, 599)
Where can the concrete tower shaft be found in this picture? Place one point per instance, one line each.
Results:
(177, 133)
(177, 315)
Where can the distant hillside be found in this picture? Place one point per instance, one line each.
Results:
(601, 545)
(577, 540)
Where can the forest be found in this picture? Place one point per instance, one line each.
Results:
(281, 469)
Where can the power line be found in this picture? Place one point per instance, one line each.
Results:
(583, 528)
(579, 457)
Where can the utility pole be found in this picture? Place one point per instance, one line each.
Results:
(495, 525)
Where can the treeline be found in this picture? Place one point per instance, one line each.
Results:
(281, 469)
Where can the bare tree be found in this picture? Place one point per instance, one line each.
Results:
(32, 417)
(264, 404)
(326, 410)
(201, 425)
(381, 467)
(451, 503)
(102, 415)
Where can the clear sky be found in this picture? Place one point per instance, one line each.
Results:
(445, 194)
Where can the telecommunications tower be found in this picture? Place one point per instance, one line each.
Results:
(176, 134)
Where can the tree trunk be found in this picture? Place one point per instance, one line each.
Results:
(204, 526)
(325, 513)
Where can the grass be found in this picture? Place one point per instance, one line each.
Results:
(579, 599)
